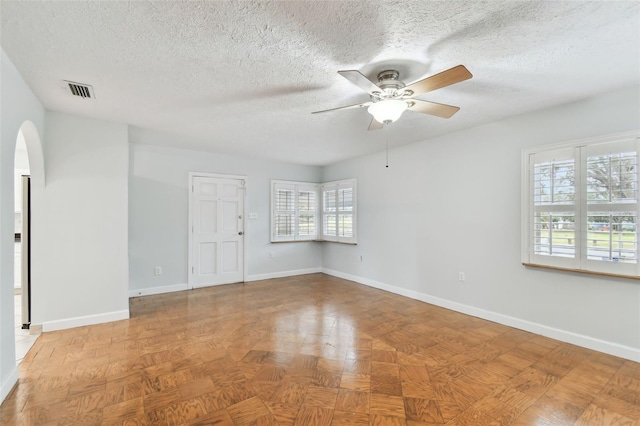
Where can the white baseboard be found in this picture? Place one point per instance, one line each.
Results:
(257, 277)
(283, 274)
(86, 320)
(158, 290)
(8, 384)
(588, 342)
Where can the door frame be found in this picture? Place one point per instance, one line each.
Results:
(25, 252)
(192, 175)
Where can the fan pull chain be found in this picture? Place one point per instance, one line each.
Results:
(387, 162)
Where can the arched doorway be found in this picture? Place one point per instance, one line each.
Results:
(28, 187)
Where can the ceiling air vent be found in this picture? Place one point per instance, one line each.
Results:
(79, 89)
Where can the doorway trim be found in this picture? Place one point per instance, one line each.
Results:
(35, 153)
(37, 171)
(192, 175)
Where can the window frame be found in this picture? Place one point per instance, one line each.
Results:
(338, 186)
(296, 187)
(319, 213)
(580, 150)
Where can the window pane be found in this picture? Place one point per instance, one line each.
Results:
(329, 200)
(329, 225)
(553, 182)
(612, 236)
(345, 199)
(554, 234)
(612, 178)
(284, 225)
(306, 225)
(307, 213)
(284, 199)
(306, 201)
(345, 225)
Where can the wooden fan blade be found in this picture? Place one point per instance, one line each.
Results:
(432, 108)
(357, 78)
(362, 105)
(375, 125)
(438, 81)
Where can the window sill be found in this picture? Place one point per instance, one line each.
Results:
(582, 271)
(337, 242)
(314, 241)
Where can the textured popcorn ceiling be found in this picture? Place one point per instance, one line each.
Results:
(242, 77)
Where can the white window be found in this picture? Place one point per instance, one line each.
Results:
(580, 205)
(306, 214)
(302, 211)
(294, 211)
(339, 211)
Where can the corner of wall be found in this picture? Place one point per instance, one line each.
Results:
(8, 384)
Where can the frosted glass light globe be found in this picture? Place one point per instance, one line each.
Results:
(388, 110)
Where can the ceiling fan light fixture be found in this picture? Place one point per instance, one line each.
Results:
(388, 110)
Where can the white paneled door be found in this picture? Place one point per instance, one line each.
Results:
(217, 231)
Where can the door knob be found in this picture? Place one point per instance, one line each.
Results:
(240, 233)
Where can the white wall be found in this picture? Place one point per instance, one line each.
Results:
(17, 104)
(85, 254)
(452, 204)
(21, 167)
(158, 215)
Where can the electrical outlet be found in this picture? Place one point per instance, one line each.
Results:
(157, 270)
(461, 276)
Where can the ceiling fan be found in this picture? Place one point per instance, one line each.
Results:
(390, 97)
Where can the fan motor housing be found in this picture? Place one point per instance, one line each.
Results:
(388, 79)
(391, 86)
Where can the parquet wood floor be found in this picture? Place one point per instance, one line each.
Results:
(313, 350)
